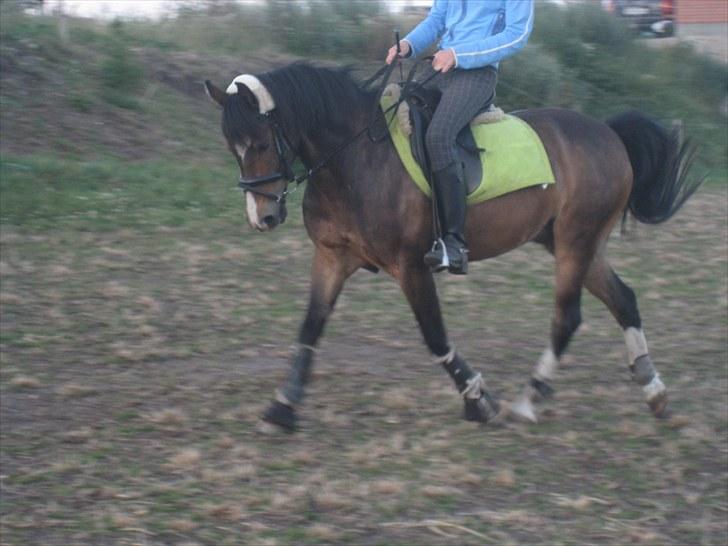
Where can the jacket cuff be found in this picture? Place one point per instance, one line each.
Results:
(411, 49)
(454, 54)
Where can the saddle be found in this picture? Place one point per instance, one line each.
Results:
(422, 104)
(503, 147)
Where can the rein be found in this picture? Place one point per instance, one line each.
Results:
(283, 144)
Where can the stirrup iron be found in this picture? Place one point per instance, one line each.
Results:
(438, 247)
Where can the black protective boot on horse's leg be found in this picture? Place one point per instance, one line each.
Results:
(419, 286)
(480, 406)
(330, 270)
(281, 412)
(450, 192)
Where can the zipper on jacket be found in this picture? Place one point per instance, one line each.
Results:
(463, 13)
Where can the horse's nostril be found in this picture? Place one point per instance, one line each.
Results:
(270, 220)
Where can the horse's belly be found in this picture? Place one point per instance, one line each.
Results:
(505, 223)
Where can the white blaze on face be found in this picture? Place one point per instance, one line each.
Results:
(252, 209)
(250, 205)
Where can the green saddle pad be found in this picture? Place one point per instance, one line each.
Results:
(514, 157)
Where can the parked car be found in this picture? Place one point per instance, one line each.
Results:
(654, 16)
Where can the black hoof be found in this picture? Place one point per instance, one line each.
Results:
(281, 415)
(481, 410)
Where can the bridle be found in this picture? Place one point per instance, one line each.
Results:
(283, 145)
(285, 171)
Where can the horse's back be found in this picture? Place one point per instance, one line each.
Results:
(590, 162)
(593, 182)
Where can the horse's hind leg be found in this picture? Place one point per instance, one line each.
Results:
(419, 288)
(604, 283)
(571, 267)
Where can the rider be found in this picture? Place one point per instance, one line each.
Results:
(474, 36)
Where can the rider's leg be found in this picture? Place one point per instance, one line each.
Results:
(464, 93)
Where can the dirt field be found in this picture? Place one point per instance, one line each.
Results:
(135, 364)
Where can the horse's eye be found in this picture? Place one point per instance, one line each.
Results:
(262, 147)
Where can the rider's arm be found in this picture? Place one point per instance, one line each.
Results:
(428, 30)
(491, 49)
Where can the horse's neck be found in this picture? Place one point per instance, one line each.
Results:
(327, 149)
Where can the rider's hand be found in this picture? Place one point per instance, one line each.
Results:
(404, 48)
(444, 60)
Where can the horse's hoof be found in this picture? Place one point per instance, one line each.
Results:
(481, 410)
(281, 415)
(522, 409)
(658, 405)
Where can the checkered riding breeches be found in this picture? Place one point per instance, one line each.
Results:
(464, 94)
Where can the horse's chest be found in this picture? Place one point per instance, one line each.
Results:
(330, 227)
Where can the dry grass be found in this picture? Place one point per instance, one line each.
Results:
(226, 512)
(75, 390)
(25, 382)
(122, 520)
(172, 417)
(182, 525)
(225, 442)
(185, 459)
(323, 532)
(435, 491)
(114, 289)
(133, 419)
(10, 299)
(504, 478)
(330, 501)
(79, 436)
(399, 399)
(580, 503)
(387, 487)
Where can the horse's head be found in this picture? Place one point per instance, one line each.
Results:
(259, 146)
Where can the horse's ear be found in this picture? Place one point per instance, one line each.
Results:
(247, 95)
(215, 93)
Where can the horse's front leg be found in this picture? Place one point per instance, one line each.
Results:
(330, 270)
(419, 287)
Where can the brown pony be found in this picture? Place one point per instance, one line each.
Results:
(361, 209)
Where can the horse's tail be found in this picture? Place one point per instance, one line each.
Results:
(660, 162)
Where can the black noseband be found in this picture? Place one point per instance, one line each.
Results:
(249, 185)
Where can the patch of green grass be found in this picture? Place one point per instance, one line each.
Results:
(122, 77)
(126, 416)
(122, 100)
(39, 192)
(80, 103)
(717, 176)
(31, 478)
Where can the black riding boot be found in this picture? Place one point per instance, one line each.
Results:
(450, 192)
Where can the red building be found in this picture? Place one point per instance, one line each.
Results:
(705, 24)
(691, 12)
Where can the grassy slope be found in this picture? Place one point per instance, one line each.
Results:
(114, 122)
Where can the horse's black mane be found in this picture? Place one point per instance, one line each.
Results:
(315, 98)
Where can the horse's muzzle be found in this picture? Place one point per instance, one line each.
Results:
(269, 219)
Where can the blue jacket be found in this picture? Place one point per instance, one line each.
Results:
(480, 32)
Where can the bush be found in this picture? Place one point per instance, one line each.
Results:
(121, 75)
(596, 66)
